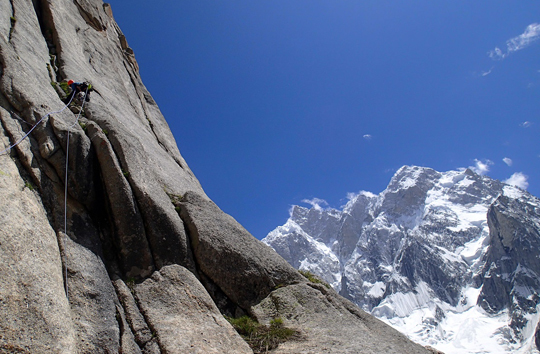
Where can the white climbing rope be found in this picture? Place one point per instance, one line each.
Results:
(66, 185)
(34, 127)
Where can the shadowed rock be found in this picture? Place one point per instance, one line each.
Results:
(183, 316)
(244, 268)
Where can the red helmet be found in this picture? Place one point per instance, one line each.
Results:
(70, 82)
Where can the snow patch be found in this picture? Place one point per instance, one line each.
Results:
(472, 251)
(512, 192)
(402, 304)
(377, 290)
(410, 179)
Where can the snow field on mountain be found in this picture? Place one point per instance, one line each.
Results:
(465, 328)
(472, 251)
(444, 196)
(471, 331)
(513, 192)
(402, 304)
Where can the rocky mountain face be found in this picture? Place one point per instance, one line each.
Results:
(451, 259)
(139, 259)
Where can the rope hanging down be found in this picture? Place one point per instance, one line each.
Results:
(34, 127)
(67, 161)
(66, 182)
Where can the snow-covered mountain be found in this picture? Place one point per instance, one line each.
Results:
(451, 259)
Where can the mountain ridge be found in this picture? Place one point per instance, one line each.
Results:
(427, 244)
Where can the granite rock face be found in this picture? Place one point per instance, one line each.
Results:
(327, 319)
(138, 260)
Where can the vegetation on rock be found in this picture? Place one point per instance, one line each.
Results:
(313, 278)
(262, 338)
(65, 87)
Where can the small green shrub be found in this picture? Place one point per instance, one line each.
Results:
(13, 20)
(278, 321)
(29, 185)
(244, 325)
(64, 86)
(262, 338)
(130, 283)
(176, 199)
(313, 278)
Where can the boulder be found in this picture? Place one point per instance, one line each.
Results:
(183, 316)
(328, 323)
(245, 269)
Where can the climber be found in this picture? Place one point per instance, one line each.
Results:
(77, 87)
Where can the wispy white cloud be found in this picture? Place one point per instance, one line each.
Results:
(526, 124)
(531, 34)
(508, 161)
(497, 54)
(518, 179)
(367, 136)
(351, 195)
(486, 73)
(481, 167)
(316, 203)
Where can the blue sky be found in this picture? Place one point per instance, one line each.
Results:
(274, 102)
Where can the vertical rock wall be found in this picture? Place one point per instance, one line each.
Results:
(146, 263)
(64, 287)
(510, 275)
